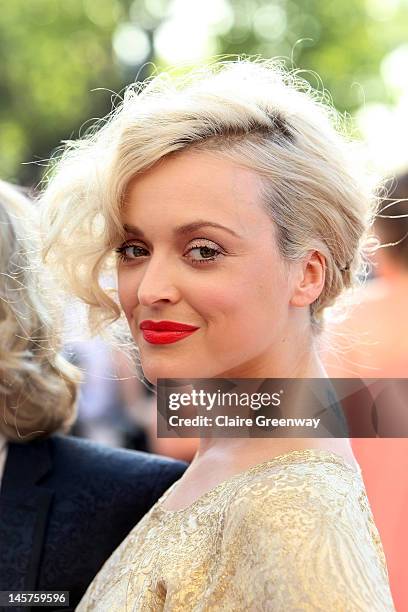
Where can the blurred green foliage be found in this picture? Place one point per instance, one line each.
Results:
(340, 41)
(55, 52)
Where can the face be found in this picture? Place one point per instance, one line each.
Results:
(203, 287)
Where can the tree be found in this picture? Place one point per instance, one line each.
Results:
(57, 54)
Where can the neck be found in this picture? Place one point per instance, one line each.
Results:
(301, 362)
(293, 356)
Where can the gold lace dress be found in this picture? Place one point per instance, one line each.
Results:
(295, 533)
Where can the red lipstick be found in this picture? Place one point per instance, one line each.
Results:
(165, 332)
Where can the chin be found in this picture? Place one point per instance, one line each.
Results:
(153, 372)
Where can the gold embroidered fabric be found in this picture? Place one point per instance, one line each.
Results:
(293, 534)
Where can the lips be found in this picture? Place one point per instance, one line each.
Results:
(165, 332)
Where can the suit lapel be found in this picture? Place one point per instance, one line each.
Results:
(24, 508)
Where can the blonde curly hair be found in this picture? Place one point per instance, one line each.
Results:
(252, 111)
(37, 385)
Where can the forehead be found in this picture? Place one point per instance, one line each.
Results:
(191, 184)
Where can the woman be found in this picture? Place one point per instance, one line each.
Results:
(38, 386)
(237, 217)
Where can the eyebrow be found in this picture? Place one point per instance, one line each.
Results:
(181, 230)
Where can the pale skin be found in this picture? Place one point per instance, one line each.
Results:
(251, 307)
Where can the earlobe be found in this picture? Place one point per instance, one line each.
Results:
(310, 280)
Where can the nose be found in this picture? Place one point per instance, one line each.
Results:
(157, 284)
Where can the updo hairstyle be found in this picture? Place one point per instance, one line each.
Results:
(251, 111)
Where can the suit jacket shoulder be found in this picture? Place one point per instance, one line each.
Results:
(66, 504)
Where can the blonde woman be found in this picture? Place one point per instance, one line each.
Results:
(57, 524)
(234, 215)
(37, 386)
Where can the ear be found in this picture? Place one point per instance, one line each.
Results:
(308, 279)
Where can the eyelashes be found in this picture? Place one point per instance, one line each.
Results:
(123, 254)
(205, 253)
(201, 252)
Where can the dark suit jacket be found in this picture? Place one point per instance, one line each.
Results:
(66, 504)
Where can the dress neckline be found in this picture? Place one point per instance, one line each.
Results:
(295, 456)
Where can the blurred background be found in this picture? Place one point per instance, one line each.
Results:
(64, 64)
(64, 61)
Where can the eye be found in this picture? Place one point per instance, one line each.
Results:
(129, 252)
(204, 252)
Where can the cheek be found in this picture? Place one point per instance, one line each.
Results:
(256, 304)
(225, 306)
(250, 295)
(213, 300)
